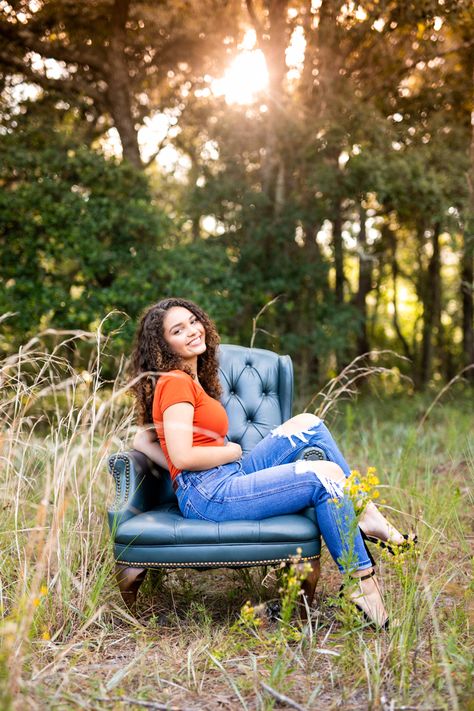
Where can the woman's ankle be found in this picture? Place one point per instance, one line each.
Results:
(373, 523)
(366, 594)
(369, 572)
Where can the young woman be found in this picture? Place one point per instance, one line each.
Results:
(177, 389)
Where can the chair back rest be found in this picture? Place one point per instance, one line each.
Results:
(257, 392)
(257, 395)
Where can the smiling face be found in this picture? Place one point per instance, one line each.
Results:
(184, 333)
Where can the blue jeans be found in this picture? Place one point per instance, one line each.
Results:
(267, 482)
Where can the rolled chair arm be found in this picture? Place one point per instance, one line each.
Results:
(137, 486)
(312, 453)
(141, 485)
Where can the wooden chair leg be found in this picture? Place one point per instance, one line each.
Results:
(309, 586)
(129, 580)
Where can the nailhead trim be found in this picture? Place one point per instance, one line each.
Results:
(118, 477)
(213, 563)
(314, 452)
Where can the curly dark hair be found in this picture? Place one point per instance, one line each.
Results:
(152, 355)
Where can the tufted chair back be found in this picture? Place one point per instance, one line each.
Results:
(257, 392)
(257, 395)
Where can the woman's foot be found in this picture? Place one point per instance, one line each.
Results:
(367, 597)
(376, 527)
(409, 541)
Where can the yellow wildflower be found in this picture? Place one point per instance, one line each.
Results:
(362, 489)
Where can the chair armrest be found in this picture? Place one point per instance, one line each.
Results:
(311, 453)
(138, 484)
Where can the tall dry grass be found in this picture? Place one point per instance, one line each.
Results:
(58, 426)
(67, 642)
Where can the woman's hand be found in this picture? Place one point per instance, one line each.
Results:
(236, 450)
(146, 441)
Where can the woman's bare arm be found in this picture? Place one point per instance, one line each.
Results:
(178, 429)
(146, 441)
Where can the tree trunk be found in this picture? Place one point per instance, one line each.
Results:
(118, 84)
(431, 309)
(328, 53)
(372, 322)
(272, 40)
(314, 255)
(467, 285)
(467, 268)
(365, 284)
(392, 239)
(338, 253)
(274, 49)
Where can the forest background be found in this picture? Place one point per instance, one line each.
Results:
(320, 152)
(312, 161)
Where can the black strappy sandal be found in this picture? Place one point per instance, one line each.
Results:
(369, 554)
(393, 548)
(386, 624)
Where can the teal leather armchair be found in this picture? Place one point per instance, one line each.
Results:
(147, 527)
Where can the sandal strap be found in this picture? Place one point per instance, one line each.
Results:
(365, 577)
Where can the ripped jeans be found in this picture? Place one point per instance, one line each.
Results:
(267, 482)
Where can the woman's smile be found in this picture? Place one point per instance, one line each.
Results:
(185, 334)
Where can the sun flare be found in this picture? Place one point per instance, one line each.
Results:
(246, 77)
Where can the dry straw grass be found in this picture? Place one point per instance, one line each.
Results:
(66, 640)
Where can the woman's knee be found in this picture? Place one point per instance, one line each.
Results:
(331, 470)
(299, 423)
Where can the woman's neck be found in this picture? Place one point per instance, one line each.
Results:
(191, 366)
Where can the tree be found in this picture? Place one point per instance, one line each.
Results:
(351, 183)
(71, 224)
(120, 60)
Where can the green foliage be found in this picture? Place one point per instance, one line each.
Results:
(71, 225)
(326, 192)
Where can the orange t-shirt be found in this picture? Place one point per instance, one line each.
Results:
(210, 423)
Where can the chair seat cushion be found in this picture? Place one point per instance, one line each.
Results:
(165, 525)
(162, 536)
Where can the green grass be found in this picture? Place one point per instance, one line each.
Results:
(67, 641)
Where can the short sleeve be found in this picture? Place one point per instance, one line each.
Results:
(172, 388)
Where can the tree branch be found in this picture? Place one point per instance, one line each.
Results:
(404, 71)
(74, 86)
(30, 42)
(257, 25)
(70, 54)
(161, 145)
